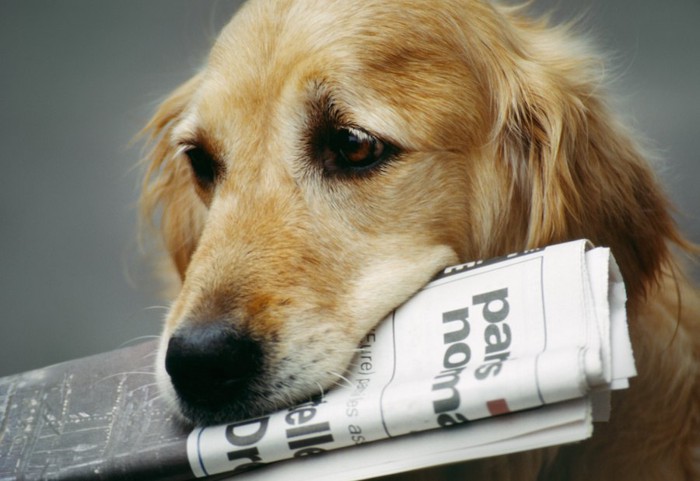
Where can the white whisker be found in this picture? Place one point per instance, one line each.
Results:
(138, 339)
(347, 381)
(126, 374)
(156, 308)
(321, 391)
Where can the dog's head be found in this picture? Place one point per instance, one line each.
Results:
(332, 156)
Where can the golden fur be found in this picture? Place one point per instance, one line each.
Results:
(505, 143)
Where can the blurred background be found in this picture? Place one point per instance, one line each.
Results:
(79, 78)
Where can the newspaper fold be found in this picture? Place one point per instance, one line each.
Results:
(540, 336)
(482, 339)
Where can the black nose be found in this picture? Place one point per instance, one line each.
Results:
(211, 365)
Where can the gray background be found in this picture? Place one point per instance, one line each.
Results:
(78, 79)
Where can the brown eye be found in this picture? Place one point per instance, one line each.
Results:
(355, 149)
(204, 167)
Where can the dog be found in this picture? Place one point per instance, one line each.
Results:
(332, 156)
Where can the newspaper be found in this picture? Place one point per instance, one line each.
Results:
(491, 357)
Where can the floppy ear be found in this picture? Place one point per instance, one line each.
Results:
(168, 190)
(576, 167)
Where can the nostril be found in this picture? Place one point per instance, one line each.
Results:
(211, 363)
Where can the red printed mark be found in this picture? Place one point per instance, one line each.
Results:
(497, 406)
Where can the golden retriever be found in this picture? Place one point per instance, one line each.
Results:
(333, 155)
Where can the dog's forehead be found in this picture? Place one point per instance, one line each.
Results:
(390, 65)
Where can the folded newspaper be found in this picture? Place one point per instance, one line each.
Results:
(491, 357)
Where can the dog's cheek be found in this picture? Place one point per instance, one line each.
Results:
(388, 280)
(313, 347)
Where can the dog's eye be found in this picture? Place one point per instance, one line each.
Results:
(353, 150)
(204, 166)
(357, 148)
